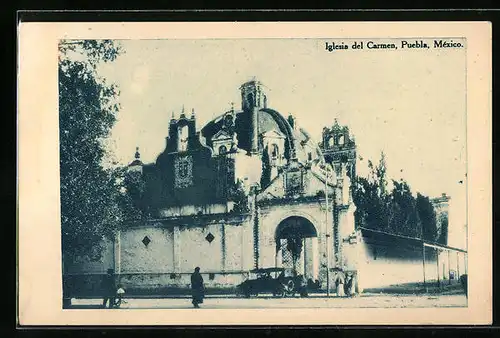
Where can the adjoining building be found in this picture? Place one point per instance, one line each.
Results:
(250, 189)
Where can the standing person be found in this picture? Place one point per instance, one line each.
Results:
(339, 283)
(109, 288)
(197, 287)
(348, 286)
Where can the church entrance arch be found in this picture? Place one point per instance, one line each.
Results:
(297, 246)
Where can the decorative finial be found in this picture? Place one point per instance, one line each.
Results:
(173, 115)
(137, 154)
(232, 106)
(192, 113)
(183, 115)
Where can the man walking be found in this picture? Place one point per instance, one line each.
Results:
(197, 288)
(109, 289)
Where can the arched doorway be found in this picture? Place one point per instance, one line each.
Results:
(297, 246)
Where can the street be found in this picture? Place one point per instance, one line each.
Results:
(365, 301)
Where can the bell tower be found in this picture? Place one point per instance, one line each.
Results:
(253, 98)
(253, 95)
(339, 148)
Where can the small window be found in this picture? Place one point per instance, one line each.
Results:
(172, 276)
(222, 150)
(250, 100)
(183, 138)
(275, 151)
(309, 156)
(341, 140)
(228, 120)
(211, 276)
(330, 142)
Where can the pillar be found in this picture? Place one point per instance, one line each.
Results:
(117, 252)
(279, 255)
(255, 130)
(177, 249)
(304, 249)
(223, 246)
(243, 252)
(315, 257)
(449, 268)
(437, 265)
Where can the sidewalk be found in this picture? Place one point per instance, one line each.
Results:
(262, 302)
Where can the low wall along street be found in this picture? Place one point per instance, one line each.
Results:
(161, 265)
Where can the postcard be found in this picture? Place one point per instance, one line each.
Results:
(236, 173)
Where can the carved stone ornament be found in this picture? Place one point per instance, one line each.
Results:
(294, 182)
(183, 171)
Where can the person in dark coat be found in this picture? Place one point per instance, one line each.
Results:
(349, 283)
(109, 288)
(197, 287)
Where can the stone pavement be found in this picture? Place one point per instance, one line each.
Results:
(220, 302)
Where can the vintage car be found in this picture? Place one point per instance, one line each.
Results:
(280, 282)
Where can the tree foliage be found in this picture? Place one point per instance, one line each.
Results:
(427, 217)
(265, 178)
(443, 233)
(132, 201)
(240, 198)
(87, 111)
(404, 219)
(370, 197)
(395, 211)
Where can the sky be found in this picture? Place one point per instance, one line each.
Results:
(410, 104)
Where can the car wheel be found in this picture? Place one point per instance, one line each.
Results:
(279, 293)
(290, 287)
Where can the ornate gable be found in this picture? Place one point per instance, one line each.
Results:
(222, 135)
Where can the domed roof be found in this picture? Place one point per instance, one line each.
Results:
(268, 119)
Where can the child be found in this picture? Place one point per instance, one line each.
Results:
(119, 294)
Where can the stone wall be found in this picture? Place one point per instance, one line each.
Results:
(387, 261)
(155, 257)
(387, 266)
(196, 250)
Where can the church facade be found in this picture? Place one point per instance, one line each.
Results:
(250, 189)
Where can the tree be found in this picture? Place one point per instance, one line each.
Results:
(380, 174)
(240, 198)
(404, 216)
(397, 211)
(132, 200)
(87, 112)
(370, 197)
(427, 217)
(443, 232)
(265, 178)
